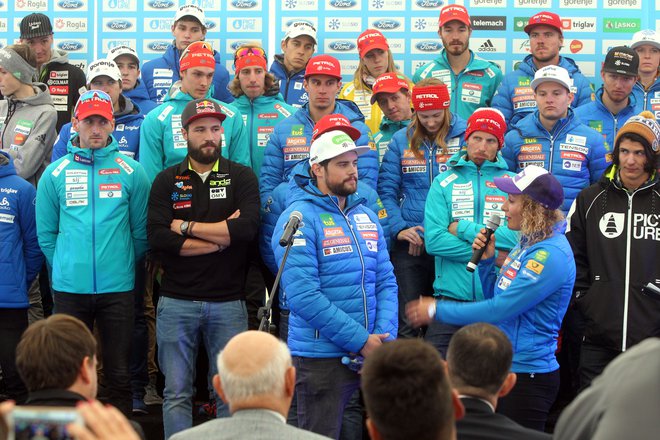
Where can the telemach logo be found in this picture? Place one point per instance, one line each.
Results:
(489, 23)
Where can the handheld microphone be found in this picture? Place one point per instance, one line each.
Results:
(491, 225)
(291, 227)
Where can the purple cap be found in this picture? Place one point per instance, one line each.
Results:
(536, 183)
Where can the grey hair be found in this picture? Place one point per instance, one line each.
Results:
(268, 380)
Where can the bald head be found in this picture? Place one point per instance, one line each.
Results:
(253, 365)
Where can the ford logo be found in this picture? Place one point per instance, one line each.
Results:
(238, 44)
(161, 4)
(244, 4)
(342, 3)
(429, 3)
(158, 46)
(119, 25)
(69, 4)
(386, 24)
(70, 45)
(428, 46)
(341, 46)
(209, 24)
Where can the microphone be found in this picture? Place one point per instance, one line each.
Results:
(291, 227)
(491, 225)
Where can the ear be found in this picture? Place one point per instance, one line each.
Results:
(305, 84)
(173, 27)
(373, 432)
(184, 132)
(459, 409)
(283, 45)
(290, 381)
(86, 368)
(217, 385)
(571, 96)
(204, 31)
(508, 385)
(74, 124)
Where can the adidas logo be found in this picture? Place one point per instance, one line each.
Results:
(487, 46)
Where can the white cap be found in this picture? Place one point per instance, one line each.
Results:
(332, 144)
(647, 36)
(552, 74)
(300, 27)
(103, 67)
(118, 51)
(192, 11)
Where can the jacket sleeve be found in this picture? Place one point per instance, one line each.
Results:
(598, 161)
(239, 144)
(527, 289)
(32, 255)
(272, 168)
(502, 100)
(376, 205)
(301, 281)
(59, 149)
(576, 233)
(36, 150)
(509, 151)
(245, 227)
(48, 216)
(147, 75)
(496, 83)
(367, 162)
(389, 185)
(138, 212)
(274, 206)
(159, 217)
(437, 238)
(585, 92)
(151, 146)
(387, 302)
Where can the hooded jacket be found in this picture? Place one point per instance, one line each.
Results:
(573, 153)
(615, 237)
(597, 116)
(260, 116)
(338, 279)
(64, 81)
(160, 74)
(290, 143)
(404, 180)
(468, 195)
(27, 131)
(515, 97)
(140, 97)
(162, 145)
(91, 219)
(648, 99)
(291, 85)
(127, 131)
(471, 89)
(20, 255)
(384, 135)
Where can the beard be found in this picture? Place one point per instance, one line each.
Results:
(198, 155)
(342, 189)
(457, 50)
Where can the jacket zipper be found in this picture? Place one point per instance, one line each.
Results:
(626, 288)
(93, 226)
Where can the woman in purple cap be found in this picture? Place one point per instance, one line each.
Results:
(527, 298)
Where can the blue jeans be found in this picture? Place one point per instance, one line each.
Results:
(113, 314)
(180, 327)
(323, 388)
(415, 276)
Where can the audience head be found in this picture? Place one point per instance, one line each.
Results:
(455, 29)
(255, 371)
(484, 135)
(58, 353)
(322, 82)
(252, 77)
(298, 45)
(636, 148)
(407, 393)
(392, 92)
(189, 26)
(17, 69)
(128, 63)
(37, 32)
(103, 74)
(552, 90)
(432, 118)
(479, 361)
(545, 37)
(197, 67)
(647, 45)
(619, 74)
(375, 56)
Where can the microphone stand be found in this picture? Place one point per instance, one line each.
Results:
(265, 312)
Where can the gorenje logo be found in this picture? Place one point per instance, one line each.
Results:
(627, 25)
(487, 46)
(488, 23)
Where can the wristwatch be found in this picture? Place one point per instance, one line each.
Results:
(431, 310)
(184, 228)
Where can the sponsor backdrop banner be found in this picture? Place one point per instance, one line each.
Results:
(88, 29)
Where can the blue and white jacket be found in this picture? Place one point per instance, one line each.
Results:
(161, 73)
(20, 256)
(573, 153)
(648, 99)
(291, 86)
(338, 278)
(140, 97)
(404, 180)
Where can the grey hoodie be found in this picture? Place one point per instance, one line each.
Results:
(27, 131)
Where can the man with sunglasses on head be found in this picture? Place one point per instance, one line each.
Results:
(161, 142)
(161, 73)
(298, 46)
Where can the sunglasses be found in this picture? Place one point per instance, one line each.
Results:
(246, 51)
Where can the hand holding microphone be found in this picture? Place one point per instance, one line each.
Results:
(484, 243)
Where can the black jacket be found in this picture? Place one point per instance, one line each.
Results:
(179, 193)
(64, 81)
(481, 423)
(615, 236)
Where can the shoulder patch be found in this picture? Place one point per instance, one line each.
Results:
(226, 111)
(166, 111)
(56, 172)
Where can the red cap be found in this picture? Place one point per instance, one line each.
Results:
(197, 54)
(250, 60)
(335, 122)
(371, 39)
(544, 18)
(388, 82)
(430, 97)
(489, 120)
(454, 12)
(323, 65)
(94, 102)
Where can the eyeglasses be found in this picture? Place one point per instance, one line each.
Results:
(246, 51)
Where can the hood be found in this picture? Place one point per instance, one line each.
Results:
(72, 147)
(138, 92)
(41, 98)
(278, 65)
(176, 94)
(6, 165)
(127, 109)
(59, 56)
(529, 68)
(630, 107)
(459, 159)
(349, 109)
(530, 125)
(388, 124)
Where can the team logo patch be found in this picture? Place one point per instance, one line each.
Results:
(534, 266)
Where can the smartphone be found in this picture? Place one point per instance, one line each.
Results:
(41, 422)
